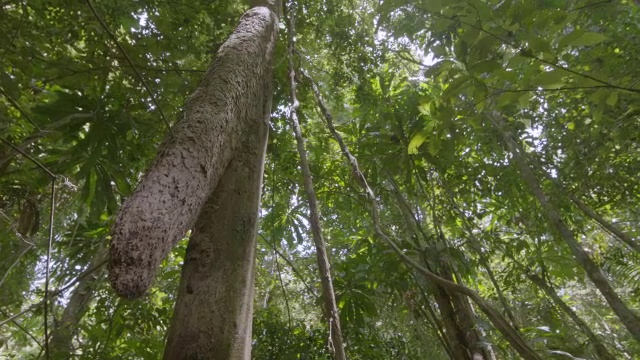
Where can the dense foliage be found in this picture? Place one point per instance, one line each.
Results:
(443, 103)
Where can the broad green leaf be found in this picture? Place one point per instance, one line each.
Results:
(417, 140)
(486, 66)
(550, 79)
(612, 100)
(538, 44)
(582, 38)
(434, 145)
(432, 5)
(523, 100)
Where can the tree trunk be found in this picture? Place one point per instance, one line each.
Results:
(630, 320)
(231, 101)
(499, 322)
(453, 332)
(617, 232)
(457, 313)
(213, 313)
(328, 294)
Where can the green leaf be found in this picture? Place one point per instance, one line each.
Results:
(432, 5)
(9, 85)
(523, 100)
(539, 45)
(612, 100)
(550, 79)
(486, 66)
(417, 140)
(434, 145)
(582, 38)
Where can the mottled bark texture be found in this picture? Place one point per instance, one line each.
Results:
(213, 313)
(230, 102)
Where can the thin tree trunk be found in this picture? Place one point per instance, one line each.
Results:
(599, 279)
(590, 212)
(61, 342)
(456, 311)
(503, 300)
(230, 102)
(617, 232)
(437, 324)
(328, 294)
(484, 262)
(463, 312)
(466, 320)
(453, 332)
(602, 350)
(499, 322)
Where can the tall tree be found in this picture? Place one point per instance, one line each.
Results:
(324, 265)
(218, 145)
(86, 87)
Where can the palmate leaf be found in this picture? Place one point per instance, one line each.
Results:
(624, 265)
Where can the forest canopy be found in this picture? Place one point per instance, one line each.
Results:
(475, 170)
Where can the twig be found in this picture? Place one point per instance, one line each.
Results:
(44, 168)
(29, 334)
(293, 267)
(135, 69)
(47, 355)
(55, 293)
(18, 107)
(15, 262)
(499, 322)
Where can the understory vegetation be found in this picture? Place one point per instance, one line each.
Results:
(476, 165)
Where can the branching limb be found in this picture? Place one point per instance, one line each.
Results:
(499, 322)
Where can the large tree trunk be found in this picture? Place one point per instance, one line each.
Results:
(212, 317)
(230, 102)
(213, 313)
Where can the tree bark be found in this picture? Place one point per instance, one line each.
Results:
(230, 102)
(213, 313)
(630, 320)
(328, 294)
(453, 332)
